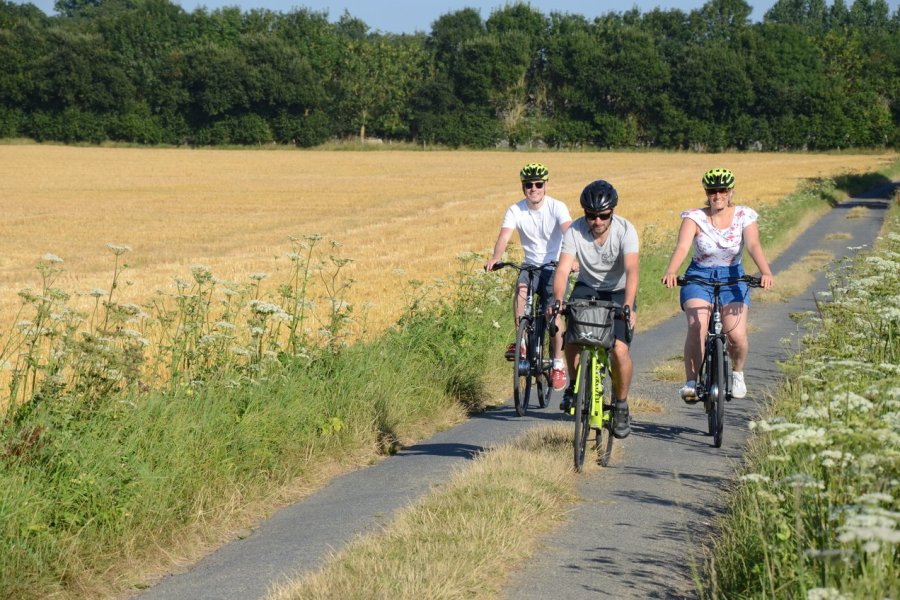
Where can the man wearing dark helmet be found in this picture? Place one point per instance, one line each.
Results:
(606, 248)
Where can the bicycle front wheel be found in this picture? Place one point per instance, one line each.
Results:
(717, 394)
(605, 437)
(522, 369)
(583, 408)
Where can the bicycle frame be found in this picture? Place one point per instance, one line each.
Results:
(593, 379)
(714, 374)
(532, 328)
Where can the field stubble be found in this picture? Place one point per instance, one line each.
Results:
(399, 216)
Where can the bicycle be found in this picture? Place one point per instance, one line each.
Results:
(593, 406)
(714, 377)
(532, 366)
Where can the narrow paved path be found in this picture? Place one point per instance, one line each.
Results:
(630, 537)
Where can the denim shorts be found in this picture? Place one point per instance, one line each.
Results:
(728, 294)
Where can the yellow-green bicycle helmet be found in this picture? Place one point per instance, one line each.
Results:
(533, 171)
(718, 179)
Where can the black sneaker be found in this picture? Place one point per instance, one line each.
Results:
(621, 420)
(568, 399)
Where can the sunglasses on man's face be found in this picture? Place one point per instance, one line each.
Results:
(536, 184)
(602, 216)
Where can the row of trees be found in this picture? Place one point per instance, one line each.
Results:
(810, 76)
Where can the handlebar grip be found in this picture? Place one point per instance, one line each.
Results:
(680, 280)
(753, 281)
(498, 265)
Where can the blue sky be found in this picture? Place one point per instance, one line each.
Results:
(408, 16)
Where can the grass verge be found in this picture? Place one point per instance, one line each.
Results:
(457, 541)
(815, 515)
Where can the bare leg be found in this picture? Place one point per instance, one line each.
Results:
(734, 321)
(697, 313)
(622, 368)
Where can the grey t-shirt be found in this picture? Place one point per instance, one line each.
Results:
(601, 266)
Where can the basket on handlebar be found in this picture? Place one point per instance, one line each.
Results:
(590, 324)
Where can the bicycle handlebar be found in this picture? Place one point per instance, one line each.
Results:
(523, 267)
(750, 280)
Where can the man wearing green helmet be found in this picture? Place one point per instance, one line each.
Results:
(540, 221)
(718, 233)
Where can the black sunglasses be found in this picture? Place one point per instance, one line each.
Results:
(602, 216)
(530, 184)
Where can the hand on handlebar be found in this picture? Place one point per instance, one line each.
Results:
(670, 280)
(767, 282)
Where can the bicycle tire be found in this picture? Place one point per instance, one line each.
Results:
(522, 369)
(719, 396)
(583, 409)
(542, 363)
(605, 437)
(706, 377)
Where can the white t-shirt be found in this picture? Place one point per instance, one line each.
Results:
(601, 266)
(720, 247)
(539, 230)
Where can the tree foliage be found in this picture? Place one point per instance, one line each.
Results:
(811, 75)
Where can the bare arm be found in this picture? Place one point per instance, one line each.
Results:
(631, 283)
(754, 248)
(682, 247)
(561, 278)
(499, 247)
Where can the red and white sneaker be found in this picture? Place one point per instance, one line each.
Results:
(558, 378)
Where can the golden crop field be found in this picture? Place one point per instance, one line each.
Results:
(399, 215)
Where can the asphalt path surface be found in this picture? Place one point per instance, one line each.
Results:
(636, 532)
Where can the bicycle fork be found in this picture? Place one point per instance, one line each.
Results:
(598, 416)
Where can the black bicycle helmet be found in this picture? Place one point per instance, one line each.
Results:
(716, 179)
(599, 196)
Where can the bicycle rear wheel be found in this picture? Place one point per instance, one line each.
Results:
(542, 362)
(605, 437)
(522, 369)
(583, 408)
(717, 393)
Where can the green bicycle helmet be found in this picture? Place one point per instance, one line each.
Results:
(717, 179)
(533, 171)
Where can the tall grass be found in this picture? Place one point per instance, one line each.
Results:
(102, 464)
(816, 514)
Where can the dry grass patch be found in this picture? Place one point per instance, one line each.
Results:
(670, 370)
(459, 541)
(398, 215)
(639, 405)
(796, 279)
(857, 212)
(839, 235)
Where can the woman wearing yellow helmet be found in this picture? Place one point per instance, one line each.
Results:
(718, 232)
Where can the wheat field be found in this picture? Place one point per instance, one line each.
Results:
(399, 215)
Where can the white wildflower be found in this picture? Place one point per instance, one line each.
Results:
(258, 276)
(51, 258)
(825, 594)
(119, 249)
(755, 478)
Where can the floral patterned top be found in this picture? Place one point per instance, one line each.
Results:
(720, 247)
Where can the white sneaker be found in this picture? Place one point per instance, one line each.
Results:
(738, 387)
(689, 391)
